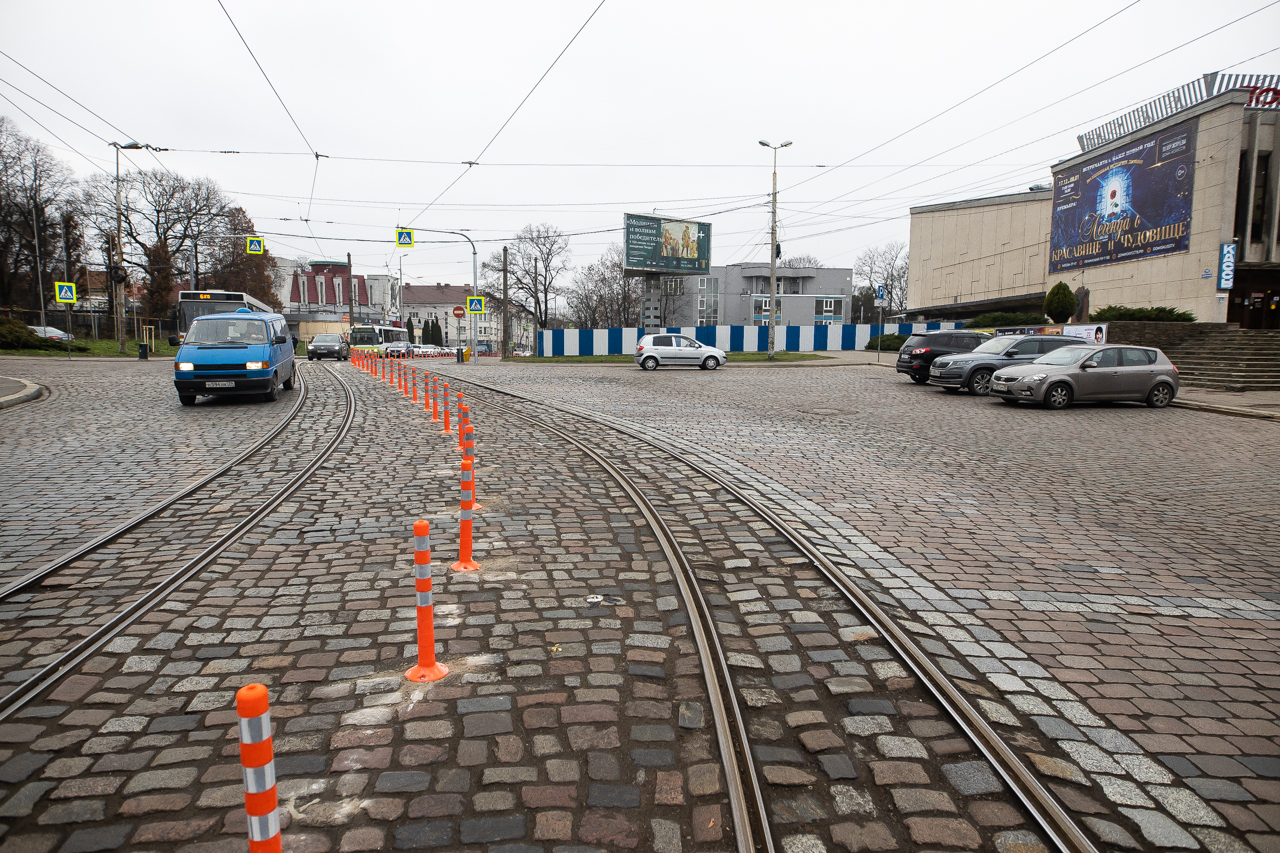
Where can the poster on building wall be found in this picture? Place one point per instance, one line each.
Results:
(653, 245)
(1125, 204)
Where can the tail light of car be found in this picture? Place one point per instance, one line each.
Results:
(920, 351)
(640, 348)
(1175, 367)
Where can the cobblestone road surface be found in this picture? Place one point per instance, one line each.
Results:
(1048, 557)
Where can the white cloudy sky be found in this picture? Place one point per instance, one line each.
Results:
(657, 105)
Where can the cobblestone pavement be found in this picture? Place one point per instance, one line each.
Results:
(571, 723)
(108, 441)
(78, 599)
(1115, 602)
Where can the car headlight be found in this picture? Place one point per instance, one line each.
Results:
(1038, 377)
(255, 365)
(183, 365)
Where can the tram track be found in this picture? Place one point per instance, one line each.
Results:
(1059, 827)
(53, 668)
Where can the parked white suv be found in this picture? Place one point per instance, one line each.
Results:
(654, 351)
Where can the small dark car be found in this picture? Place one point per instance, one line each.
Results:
(918, 353)
(973, 370)
(328, 346)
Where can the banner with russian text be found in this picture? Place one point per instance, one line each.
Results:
(1125, 204)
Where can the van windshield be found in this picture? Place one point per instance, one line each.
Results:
(226, 330)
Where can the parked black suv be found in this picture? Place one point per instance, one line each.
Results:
(920, 350)
(973, 370)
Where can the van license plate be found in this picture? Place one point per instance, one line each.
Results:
(999, 386)
(219, 384)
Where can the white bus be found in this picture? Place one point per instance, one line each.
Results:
(197, 303)
(375, 337)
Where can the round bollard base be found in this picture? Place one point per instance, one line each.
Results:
(466, 566)
(427, 673)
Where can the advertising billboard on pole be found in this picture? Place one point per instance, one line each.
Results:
(1131, 202)
(672, 246)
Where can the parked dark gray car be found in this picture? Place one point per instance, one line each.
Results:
(1090, 373)
(973, 370)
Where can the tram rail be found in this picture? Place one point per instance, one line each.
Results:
(67, 661)
(1060, 828)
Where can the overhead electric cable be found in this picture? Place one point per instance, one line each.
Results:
(50, 132)
(1048, 106)
(987, 88)
(475, 160)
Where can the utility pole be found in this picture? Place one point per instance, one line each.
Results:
(475, 291)
(775, 310)
(546, 312)
(506, 330)
(195, 264)
(35, 236)
(400, 281)
(351, 295)
(66, 276)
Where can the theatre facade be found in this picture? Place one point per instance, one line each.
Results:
(1174, 203)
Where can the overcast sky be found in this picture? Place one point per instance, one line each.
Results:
(656, 106)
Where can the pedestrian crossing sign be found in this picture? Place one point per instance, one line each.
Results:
(253, 245)
(66, 291)
(404, 238)
(475, 304)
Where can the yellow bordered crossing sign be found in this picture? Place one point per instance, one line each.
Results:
(475, 304)
(404, 238)
(65, 291)
(253, 245)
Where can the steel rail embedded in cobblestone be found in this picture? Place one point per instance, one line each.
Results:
(66, 662)
(1061, 829)
(746, 800)
(37, 575)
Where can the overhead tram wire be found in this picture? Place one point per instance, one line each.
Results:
(964, 101)
(1059, 101)
(150, 151)
(50, 132)
(285, 106)
(474, 161)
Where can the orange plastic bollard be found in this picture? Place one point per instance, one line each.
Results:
(464, 419)
(435, 399)
(415, 385)
(465, 562)
(444, 395)
(257, 760)
(428, 669)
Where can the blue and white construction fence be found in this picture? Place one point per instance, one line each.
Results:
(847, 336)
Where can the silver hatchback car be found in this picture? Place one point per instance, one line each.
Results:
(1090, 373)
(654, 351)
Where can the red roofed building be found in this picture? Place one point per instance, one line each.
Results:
(326, 288)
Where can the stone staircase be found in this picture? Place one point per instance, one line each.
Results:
(1234, 359)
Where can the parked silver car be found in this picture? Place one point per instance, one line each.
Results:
(1090, 373)
(973, 370)
(654, 351)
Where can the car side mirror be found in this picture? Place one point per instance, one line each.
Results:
(1009, 354)
(1088, 364)
(173, 340)
(281, 339)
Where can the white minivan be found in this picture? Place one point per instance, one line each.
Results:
(666, 350)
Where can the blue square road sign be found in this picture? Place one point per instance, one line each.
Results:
(404, 238)
(475, 304)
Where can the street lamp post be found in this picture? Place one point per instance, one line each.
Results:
(475, 282)
(774, 309)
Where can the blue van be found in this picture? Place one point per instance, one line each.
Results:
(245, 352)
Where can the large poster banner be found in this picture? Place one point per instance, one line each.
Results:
(658, 245)
(1127, 203)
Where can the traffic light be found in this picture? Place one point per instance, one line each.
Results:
(117, 275)
(777, 250)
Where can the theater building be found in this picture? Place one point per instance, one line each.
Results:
(1173, 203)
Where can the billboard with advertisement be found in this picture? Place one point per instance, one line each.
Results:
(1131, 202)
(672, 246)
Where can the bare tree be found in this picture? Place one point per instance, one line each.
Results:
(885, 266)
(800, 261)
(165, 214)
(36, 204)
(538, 256)
(602, 297)
(231, 268)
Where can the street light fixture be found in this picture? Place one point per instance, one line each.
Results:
(774, 309)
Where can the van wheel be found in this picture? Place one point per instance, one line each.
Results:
(710, 363)
(649, 363)
(274, 393)
(1057, 397)
(288, 383)
(187, 399)
(1160, 396)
